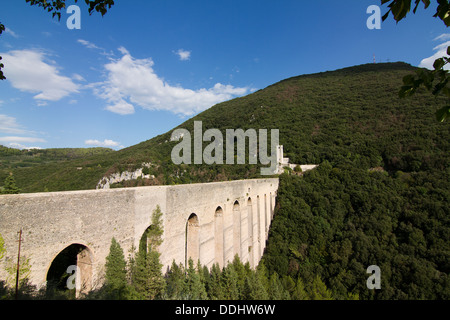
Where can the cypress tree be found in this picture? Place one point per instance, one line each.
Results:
(116, 273)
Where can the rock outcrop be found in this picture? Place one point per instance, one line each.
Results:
(106, 182)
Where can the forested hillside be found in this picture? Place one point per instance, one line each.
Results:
(13, 160)
(352, 114)
(379, 197)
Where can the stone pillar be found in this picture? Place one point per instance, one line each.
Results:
(192, 240)
(219, 237)
(85, 269)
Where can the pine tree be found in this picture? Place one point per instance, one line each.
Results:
(131, 264)
(138, 279)
(9, 186)
(156, 229)
(254, 288)
(319, 290)
(276, 290)
(116, 273)
(195, 288)
(176, 282)
(230, 283)
(148, 281)
(205, 276)
(263, 276)
(155, 279)
(299, 292)
(241, 274)
(215, 290)
(288, 284)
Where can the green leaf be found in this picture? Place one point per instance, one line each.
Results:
(443, 113)
(438, 64)
(406, 91)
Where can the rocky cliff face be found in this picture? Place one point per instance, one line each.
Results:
(106, 182)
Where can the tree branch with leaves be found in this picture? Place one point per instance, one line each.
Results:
(55, 7)
(435, 81)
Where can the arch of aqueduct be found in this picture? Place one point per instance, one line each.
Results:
(209, 221)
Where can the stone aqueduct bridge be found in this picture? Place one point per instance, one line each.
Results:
(207, 221)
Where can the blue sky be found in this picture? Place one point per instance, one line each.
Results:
(147, 66)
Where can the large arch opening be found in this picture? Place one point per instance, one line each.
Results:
(70, 272)
(192, 249)
(145, 243)
(219, 237)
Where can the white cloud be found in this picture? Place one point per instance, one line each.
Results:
(121, 107)
(133, 82)
(21, 146)
(27, 71)
(183, 54)
(88, 44)
(9, 125)
(105, 143)
(11, 33)
(91, 45)
(123, 51)
(442, 37)
(441, 51)
(78, 77)
(20, 140)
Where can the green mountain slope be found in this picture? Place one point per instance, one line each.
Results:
(14, 160)
(379, 196)
(352, 113)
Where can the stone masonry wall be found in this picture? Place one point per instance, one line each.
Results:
(51, 222)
